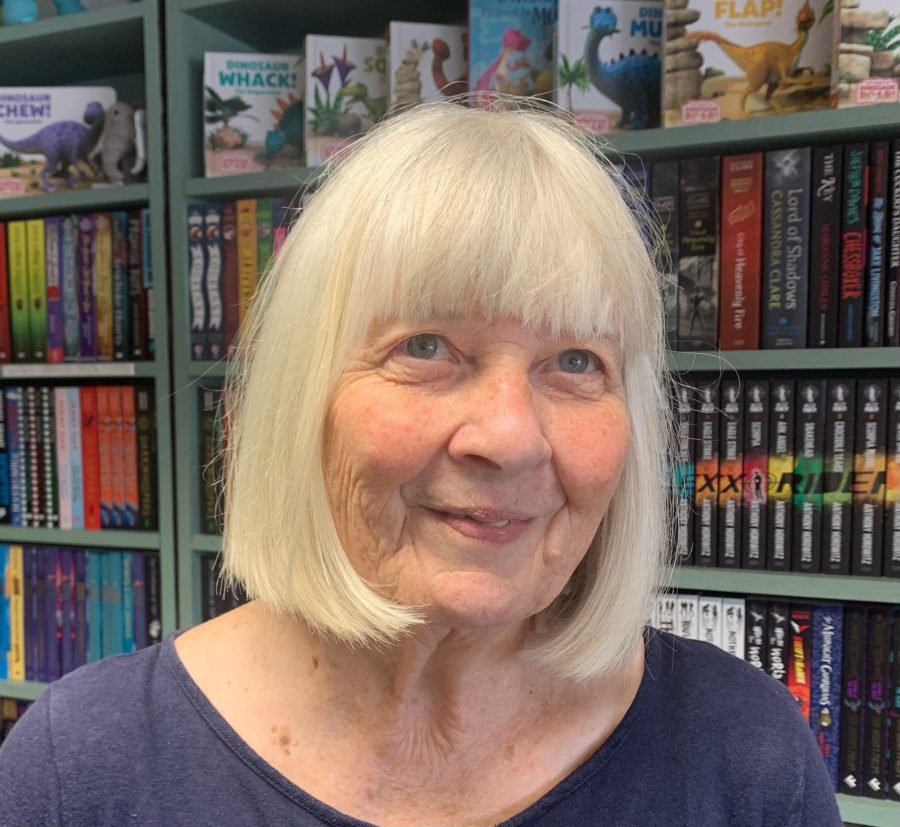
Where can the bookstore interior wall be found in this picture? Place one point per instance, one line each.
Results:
(781, 206)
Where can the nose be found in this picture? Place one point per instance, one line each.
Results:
(501, 430)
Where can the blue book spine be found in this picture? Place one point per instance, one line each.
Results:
(69, 288)
(81, 628)
(14, 443)
(139, 621)
(4, 614)
(109, 619)
(148, 277)
(53, 618)
(95, 605)
(828, 628)
(4, 467)
(126, 619)
(68, 614)
(73, 426)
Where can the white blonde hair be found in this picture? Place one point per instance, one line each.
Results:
(431, 209)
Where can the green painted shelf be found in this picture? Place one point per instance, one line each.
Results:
(206, 542)
(82, 370)
(208, 370)
(143, 540)
(854, 358)
(870, 811)
(285, 182)
(22, 690)
(102, 198)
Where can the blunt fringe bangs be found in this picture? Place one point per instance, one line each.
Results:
(434, 212)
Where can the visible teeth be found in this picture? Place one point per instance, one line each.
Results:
(497, 524)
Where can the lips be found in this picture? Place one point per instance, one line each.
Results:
(484, 524)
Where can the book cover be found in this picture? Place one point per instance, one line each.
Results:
(777, 653)
(864, 54)
(87, 310)
(103, 284)
(733, 625)
(892, 273)
(875, 737)
(90, 456)
(137, 299)
(869, 477)
(94, 605)
(131, 513)
(683, 474)
(73, 427)
(5, 332)
(17, 252)
(426, 62)
(139, 601)
(698, 273)
(37, 289)
(707, 474)
(212, 234)
(722, 60)
(800, 672)
(196, 286)
(825, 245)
(688, 617)
(756, 633)
(252, 112)
(781, 473)
(853, 699)
(609, 63)
(837, 496)
(710, 627)
(740, 267)
(231, 301)
(892, 488)
(345, 92)
(876, 236)
(50, 491)
(12, 401)
(121, 312)
(53, 254)
(248, 251)
(105, 451)
(146, 448)
(808, 481)
(731, 462)
(69, 288)
(825, 698)
(853, 244)
(755, 474)
(664, 197)
(786, 254)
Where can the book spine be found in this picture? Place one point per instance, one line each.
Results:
(247, 249)
(154, 606)
(139, 616)
(825, 229)
(707, 485)
(53, 252)
(90, 456)
(4, 612)
(87, 312)
(827, 636)
(731, 460)
(786, 287)
(664, 196)
(800, 671)
(892, 274)
(94, 605)
(853, 695)
(36, 647)
(69, 286)
(120, 293)
(875, 737)
(808, 472)
(265, 219)
(780, 478)
(875, 234)
(50, 504)
(837, 497)
(149, 341)
(105, 450)
(665, 613)
(196, 272)
(5, 331)
(689, 616)
(853, 245)
(127, 619)
(894, 709)
(698, 277)
(892, 489)
(52, 612)
(146, 447)
(778, 630)
(231, 298)
(81, 629)
(208, 483)
(103, 284)
(73, 428)
(212, 231)
(207, 587)
(756, 636)
(117, 442)
(109, 623)
(5, 473)
(136, 299)
(683, 469)
(24, 457)
(740, 268)
(64, 459)
(37, 289)
(116, 592)
(13, 400)
(67, 564)
(33, 515)
(710, 629)
(733, 625)
(17, 250)
(131, 514)
(868, 477)
(16, 614)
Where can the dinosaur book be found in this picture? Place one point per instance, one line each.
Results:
(426, 62)
(511, 47)
(865, 68)
(608, 63)
(346, 92)
(736, 59)
(252, 112)
(49, 137)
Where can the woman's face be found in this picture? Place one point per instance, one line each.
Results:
(469, 463)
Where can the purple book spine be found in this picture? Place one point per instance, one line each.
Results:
(81, 628)
(29, 587)
(87, 306)
(53, 237)
(828, 634)
(68, 654)
(40, 625)
(53, 582)
(140, 600)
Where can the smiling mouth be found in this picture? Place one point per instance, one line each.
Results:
(483, 517)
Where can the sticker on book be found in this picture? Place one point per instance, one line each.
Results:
(865, 61)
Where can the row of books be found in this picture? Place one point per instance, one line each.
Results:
(791, 248)
(212, 420)
(841, 661)
(789, 475)
(229, 245)
(63, 607)
(215, 599)
(78, 457)
(10, 712)
(76, 288)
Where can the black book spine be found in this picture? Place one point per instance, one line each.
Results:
(146, 445)
(731, 451)
(684, 475)
(781, 475)
(892, 486)
(664, 196)
(853, 706)
(778, 635)
(707, 465)
(207, 586)
(838, 477)
(894, 709)
(868, 477)
(755, 474)
(875, 764)
(825, 246)
(808, 467)
(853, 244)
(876, 235)
(154, 600)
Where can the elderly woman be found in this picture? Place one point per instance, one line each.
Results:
(446, 499)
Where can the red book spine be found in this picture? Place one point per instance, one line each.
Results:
(105, 450)
(740, 243)
(90, 456)
(117, 443)
(5, 342)
(129, 425)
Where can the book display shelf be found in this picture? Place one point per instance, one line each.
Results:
(194, 27)
(119, 47)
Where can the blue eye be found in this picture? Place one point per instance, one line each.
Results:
(423, 345)
(577, 361)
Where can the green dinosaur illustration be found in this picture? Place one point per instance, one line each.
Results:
(377, 107)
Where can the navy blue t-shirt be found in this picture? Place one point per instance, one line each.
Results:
(709, 740)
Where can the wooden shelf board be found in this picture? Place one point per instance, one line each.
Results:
(857, 358)
(143, 540)
(63, 201)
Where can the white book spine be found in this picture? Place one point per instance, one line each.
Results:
(688, 612)
(75, 464)
(733, 618)
(665, 605)
(63, 458)
(711, 619)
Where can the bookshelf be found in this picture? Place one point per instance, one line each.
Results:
(121, 47)
(196, 26)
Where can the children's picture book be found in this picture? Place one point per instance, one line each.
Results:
(608, 63)
(426, 62)
(511, 48)
(865, 67)
(737, 59)
(49, 137)
(252, 112)
(346, 91)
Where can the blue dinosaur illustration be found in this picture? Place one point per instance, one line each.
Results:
(64, 144)
(288, 129)
(632, 81)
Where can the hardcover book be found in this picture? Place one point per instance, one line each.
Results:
(865, 53)
(426, 62)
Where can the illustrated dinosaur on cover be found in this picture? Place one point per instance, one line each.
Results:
(632, 82)
(770, 64)
(441, 52)
(496, 77)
